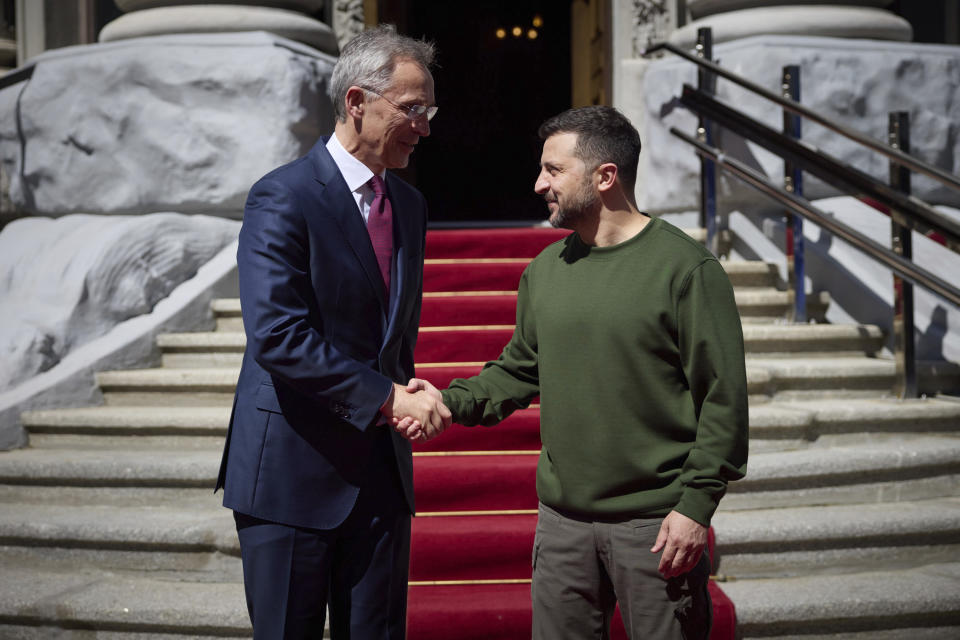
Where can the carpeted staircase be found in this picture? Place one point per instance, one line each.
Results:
(847, 523)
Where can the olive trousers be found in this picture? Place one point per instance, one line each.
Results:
(583, 568)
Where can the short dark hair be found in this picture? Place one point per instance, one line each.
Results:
(603, 135)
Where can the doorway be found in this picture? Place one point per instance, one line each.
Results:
(503, 68)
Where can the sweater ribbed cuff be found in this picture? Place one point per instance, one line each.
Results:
(697, 505)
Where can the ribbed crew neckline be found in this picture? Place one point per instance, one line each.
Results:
(592, 252)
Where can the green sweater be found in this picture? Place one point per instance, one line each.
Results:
(636, 351)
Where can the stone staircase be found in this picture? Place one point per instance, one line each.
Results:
(847, 525)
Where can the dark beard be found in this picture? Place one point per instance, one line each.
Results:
(579, 204)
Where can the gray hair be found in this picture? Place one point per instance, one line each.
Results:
(369, 60)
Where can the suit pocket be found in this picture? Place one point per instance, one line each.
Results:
(267, 399)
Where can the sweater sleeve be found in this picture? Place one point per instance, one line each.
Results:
(506, 384)
(711, 349)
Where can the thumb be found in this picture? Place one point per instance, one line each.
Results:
(661, 538)
(415, 385)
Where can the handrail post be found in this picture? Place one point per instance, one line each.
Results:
(707, 82)
(793, 182)
(904, 348)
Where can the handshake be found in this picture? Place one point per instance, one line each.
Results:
(417, 411)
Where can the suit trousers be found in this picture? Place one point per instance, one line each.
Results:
(359, 568)
(582, 568)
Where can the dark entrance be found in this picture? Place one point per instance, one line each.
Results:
(504, 67)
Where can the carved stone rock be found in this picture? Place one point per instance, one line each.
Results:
(171, 123)
(67, 281)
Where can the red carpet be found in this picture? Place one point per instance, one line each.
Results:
(472, 275)
(443, 310)
(460, 344)
(475, 486)
(491, 243)
(519, 432)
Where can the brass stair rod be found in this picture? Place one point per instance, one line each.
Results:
(913, 212)
(904, 159)
(904, 347)
(905, 268)
(793, 182)
(707, 82)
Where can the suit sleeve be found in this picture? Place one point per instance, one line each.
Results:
(283, 333)
(711, 348)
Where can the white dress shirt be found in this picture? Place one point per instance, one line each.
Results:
(356, 174)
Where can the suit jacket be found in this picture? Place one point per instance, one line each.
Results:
(323, 345)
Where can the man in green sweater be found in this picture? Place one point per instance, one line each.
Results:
(628, 331)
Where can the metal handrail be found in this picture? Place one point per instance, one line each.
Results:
(17, 75)
(922, 217)
(904, 159)
(901, 266)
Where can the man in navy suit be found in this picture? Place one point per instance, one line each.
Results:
(331, 267)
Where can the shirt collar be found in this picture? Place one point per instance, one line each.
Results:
(355, 173)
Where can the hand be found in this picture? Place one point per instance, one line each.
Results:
(409, 428)
(423, 407)
(682, 541)
(419, 384)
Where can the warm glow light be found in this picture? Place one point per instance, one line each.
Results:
(501, 33)
(537, 21)
(517, 32)
(532, 34)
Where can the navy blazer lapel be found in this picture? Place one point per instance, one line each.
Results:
(343, 209)
(402, 242)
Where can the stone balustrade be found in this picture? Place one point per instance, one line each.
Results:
(291, 19)
(735, 19)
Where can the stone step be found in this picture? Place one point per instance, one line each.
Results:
(140, 421)
(126, 442)
(768, 302)
(196, 498)
(779, 421)
(873, 604)
(226, 311)
(52, 603)
(169, 387)
(106, 527)
(753, 302)
(834, 469)
(847, 469)
(789, 377)
(111, 467)
(503, 274)
(225, 348)
(186, 536)
(751, 273)
(834, 539)
(827, 375)
(807, 420)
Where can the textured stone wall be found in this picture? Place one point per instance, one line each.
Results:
(67, 281)
(180, 123)
(854, 82)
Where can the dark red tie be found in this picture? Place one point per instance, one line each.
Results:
(380, 227)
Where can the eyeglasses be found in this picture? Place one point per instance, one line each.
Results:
(411, 111)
